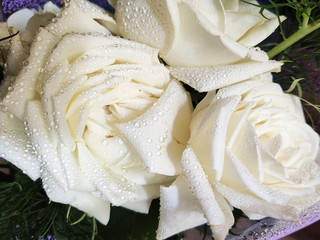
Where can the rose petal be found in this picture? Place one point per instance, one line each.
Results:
(238, 23)
(24, 90)
(15, 145)
(254, 185)
(255, 27)
(84, 201)
(38, 131)
(143, 202)
(250, 204)
(138, 19)
(208, 134)
(16, 54)
(205, 79)
(52, 157)
(260, 32)
(179, 209)
(82, 16)
(163, 126)
(215, 208)
(249, 151)
(115, 188)
(212, 10)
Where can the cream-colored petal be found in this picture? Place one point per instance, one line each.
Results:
(24, 84)
(246, 7)
(239, 117)
(81, 16)
(238, 23)
(255, 186)
(216, 209)
(34, 24)
(113, 187)
(51, 87)
(77, 181)
(159, 135)
(251, 204)
(230, 5)
(208, 134)
(179, 209)
(16, 146)
(46, 150)
(56, 158)
(213, 10)
(16, 55)
(244, 88)
(84, 201)
(113, 3)
(50, 7)
(155, 19)
(260, 32)
(205, 79)
(60, 104)
(247, 150)
(143, 202)
(68, 50)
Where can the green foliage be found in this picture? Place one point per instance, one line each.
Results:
(129, 225)
(27, 213)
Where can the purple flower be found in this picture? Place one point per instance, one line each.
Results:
(10, 6)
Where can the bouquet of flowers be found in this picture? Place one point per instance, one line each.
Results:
(141, 119)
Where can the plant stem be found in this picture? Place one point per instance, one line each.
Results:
(301, 33)
(306, 17)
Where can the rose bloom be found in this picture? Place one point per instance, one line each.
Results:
(200, 36)
(250, 148)
(96, 117)
(196, 33)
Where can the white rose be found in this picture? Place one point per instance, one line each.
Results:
(196, 33)
(96, 117)
(200, 36)
(250, 148)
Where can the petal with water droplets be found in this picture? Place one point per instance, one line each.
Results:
(179, 209)
(164, 127)
(16, 146)
(205, 79)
